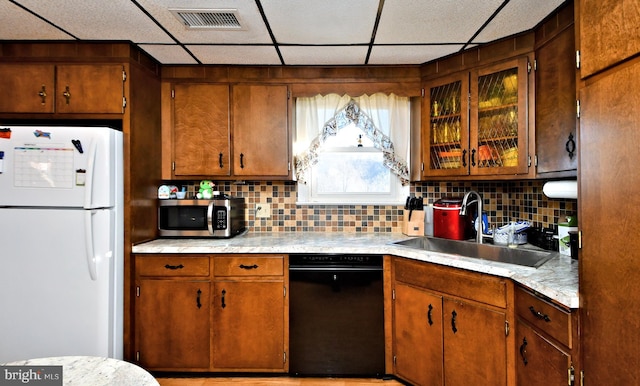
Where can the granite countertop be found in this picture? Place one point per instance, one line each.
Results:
(87, 370)
(556, 279)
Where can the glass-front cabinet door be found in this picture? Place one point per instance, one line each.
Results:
(498, 119)
(445, 140)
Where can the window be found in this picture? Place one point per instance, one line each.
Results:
(347, 155)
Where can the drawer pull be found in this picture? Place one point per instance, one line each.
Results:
(223, 293)
(174, 267)
(454, 314)
(523, 351)
(198, 299)
(248, 266)
(539, 314)
(429, 313)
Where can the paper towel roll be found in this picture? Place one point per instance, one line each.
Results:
(561, 189)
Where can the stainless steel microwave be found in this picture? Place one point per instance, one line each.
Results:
(217, 218)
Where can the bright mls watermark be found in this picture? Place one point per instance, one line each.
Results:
(31, 375)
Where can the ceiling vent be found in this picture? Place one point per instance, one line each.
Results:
(222, 19)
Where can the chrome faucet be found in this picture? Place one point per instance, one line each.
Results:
(463, 211)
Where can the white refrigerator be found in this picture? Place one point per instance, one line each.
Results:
(61, 242)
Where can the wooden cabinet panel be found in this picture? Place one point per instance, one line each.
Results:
(555, 130)
(469, 341)
(482, 288)
(544, 316)
(498, 118)
(201, 130)
(90, 88)
(249, 266)
(608, 33)
(261, 141)
(172, 324)
(539, 362)
(475, 344)
(609, 262)
(248, 328)
(27, 88)
(418, 335)
(172, 266)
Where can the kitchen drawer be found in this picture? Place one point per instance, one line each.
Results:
(469, 285)
(545, 316)
(172, 266)
(248, 265)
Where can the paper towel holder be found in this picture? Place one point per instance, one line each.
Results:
(561, 189)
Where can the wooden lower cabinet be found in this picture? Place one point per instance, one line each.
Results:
(172, 312)
(418, 336)
(248, 328)
(173, 320)
(249, 313)
(441, 338)
(211, 313)
(547, 342)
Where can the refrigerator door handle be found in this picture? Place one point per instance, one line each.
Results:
(88, 234)
(88, 188)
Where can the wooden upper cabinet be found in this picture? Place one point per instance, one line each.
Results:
(498, 118)
(201, 131)
(90, 88)
(608, 33)
(27, 88)
(261, 140)
(556, 136)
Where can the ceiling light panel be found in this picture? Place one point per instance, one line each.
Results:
(168, 53)
(253, 29)
(252, 55)
(100, 20)
(324, 55)
(410, 54)
(517, 16)
(14, 20)
(321, 22)
(434, 21)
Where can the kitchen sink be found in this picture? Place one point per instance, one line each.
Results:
(519, 256)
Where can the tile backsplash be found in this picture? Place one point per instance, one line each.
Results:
(503, 201)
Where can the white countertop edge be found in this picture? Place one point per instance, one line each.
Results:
(557, 279)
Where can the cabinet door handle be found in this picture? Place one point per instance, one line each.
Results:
(539, 314)
(241, 161)
(473, 157)
(523, 351)
(454, 315)
(66, 94)
(43, 94)
(242, 266)
(429, 314)
(570, 146)
(198, 299)
(220, 161)
(464, 158)
(174, 267)
(223, 293)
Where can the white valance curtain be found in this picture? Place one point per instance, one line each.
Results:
(383, 118)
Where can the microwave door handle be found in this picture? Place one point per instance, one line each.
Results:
(210, 219)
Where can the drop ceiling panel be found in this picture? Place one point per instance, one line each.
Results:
(410, 54)
(434, 21)
(168, 54)
(321, 22)
(253, 29)
(325, 55)
(18, 24)
(517, 16)
(256, 55)
(100, 20)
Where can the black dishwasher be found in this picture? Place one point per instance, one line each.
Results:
(336, 315)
